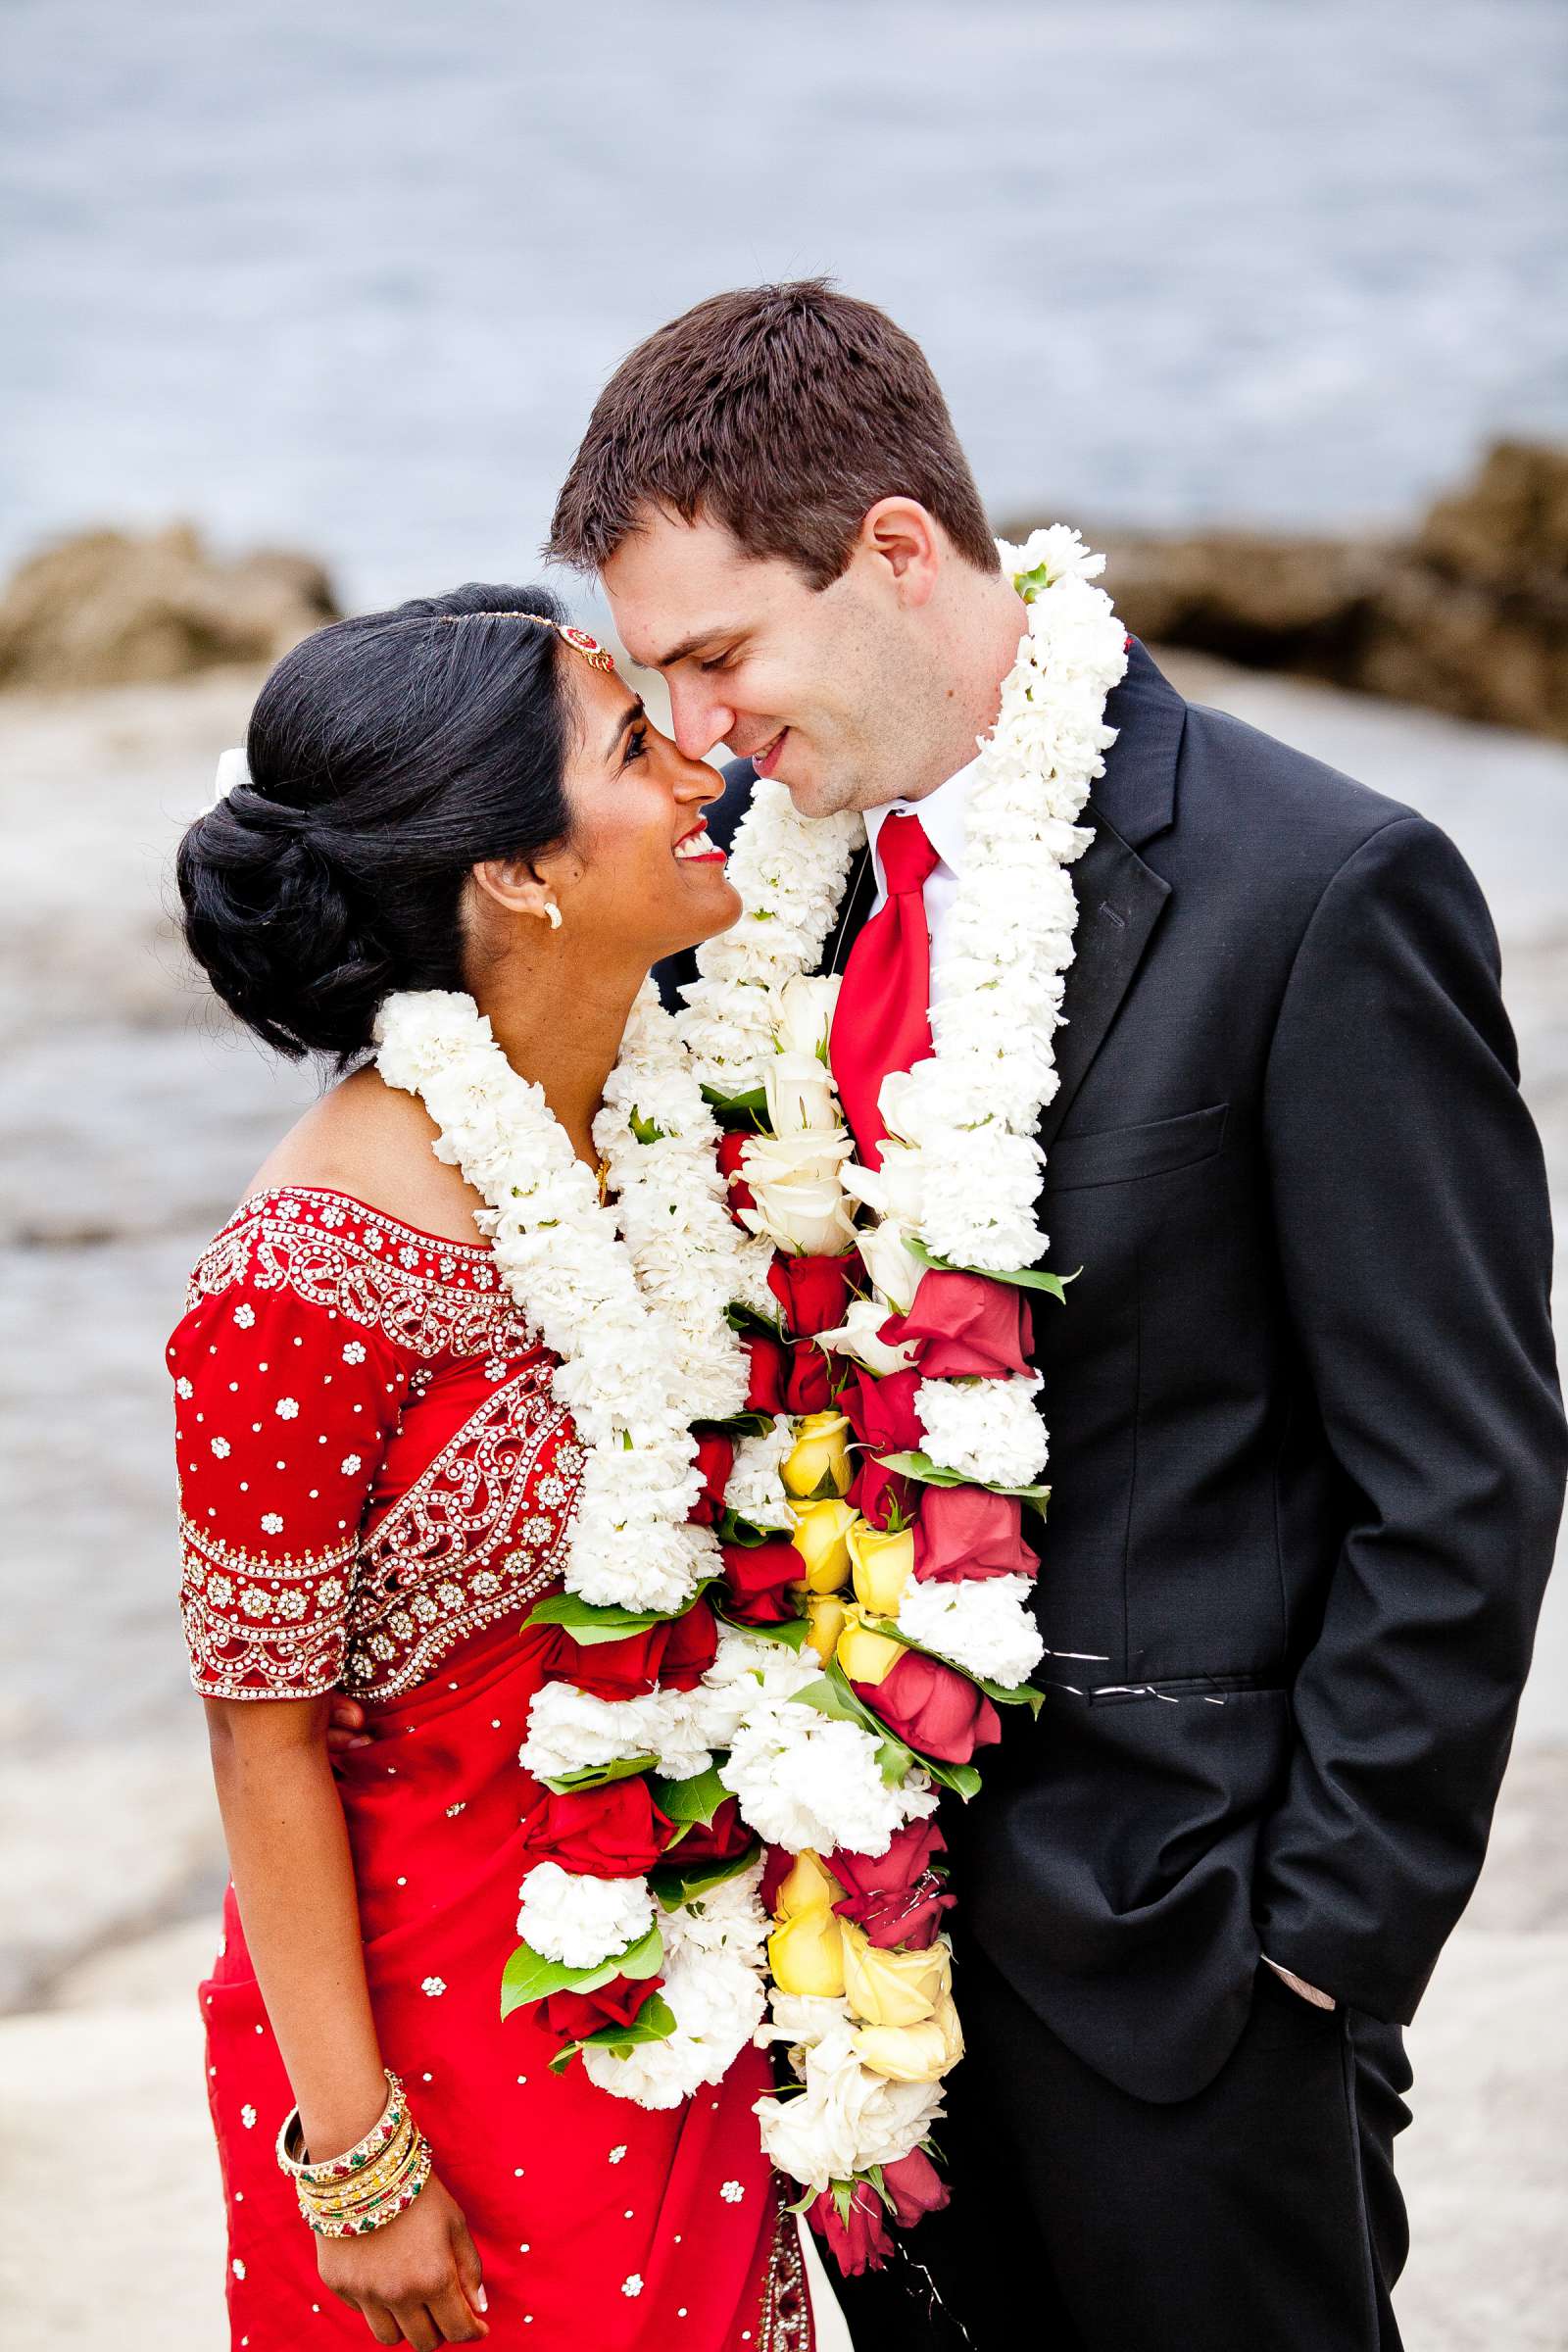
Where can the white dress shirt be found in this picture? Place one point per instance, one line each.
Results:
(942, 814)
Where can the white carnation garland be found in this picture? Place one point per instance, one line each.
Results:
(958, 1184)
(637, 1321)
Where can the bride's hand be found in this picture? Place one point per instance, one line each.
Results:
(417, 2281)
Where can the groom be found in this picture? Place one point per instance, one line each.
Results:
(1309, 1445)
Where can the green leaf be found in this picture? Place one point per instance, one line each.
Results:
(528, 1978)
(1031, 584)
(962, 1778)
(1022, 1278)
(931, 1474)
(598, 1776)
(743, 1425)
(734, 1529)
(696, 1799)
(655, 2022)
(647, 1131)
(737, 1109)
(673, 1885)
(747, 1318)
(792, 1632)
(589, 1624)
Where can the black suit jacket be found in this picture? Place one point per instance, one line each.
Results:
(1307, 1442)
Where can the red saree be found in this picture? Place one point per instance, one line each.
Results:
(374, 1484)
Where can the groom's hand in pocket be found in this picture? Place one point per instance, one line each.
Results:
(347, 1726)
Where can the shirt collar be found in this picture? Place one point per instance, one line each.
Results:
(942, 814)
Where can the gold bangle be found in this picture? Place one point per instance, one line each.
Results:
(300, 2167)
(387, 2209)
(371, 2181)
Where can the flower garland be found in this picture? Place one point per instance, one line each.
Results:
(636, 1320)
(907, 1340)
(719, 1378)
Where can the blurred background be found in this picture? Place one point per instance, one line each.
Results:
(305, 308)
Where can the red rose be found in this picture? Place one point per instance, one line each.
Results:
(716, 1459)
(757, 1580)
(809, 1388)
(576, 2015)
(677, 1652)
(776, 1868)
(865, 2244)
(895, 1896)
(882, 1412)
(614, 1831)
(731, 1147)
(720, 1840)
(967, 1326)
(769, 1368)
(813, 1292)
(933, 1708)
(967, 1531)
(877, 1492)
(915, 2187)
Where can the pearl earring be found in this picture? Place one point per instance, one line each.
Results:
(553, 914)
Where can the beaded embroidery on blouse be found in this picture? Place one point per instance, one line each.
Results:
(373, 1465)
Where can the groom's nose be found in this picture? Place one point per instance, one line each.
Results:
(697, 719)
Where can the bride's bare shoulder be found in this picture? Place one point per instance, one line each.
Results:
(374, 1142)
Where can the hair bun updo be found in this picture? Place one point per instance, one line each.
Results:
(388, 755)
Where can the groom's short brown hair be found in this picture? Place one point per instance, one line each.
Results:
(783, 412)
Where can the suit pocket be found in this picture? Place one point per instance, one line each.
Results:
(1123, 1155)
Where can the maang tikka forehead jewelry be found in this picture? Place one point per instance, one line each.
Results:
(592, 652)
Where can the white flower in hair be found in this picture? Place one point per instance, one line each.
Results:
(233, 769)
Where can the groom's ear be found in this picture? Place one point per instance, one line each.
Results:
(902, 540)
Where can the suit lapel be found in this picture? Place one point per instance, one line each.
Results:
(859, 894)
(1120, 900)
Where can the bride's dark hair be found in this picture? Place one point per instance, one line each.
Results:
(387, 754)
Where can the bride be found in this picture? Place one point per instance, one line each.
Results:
(378, 1486)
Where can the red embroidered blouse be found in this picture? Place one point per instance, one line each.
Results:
(371, 1464)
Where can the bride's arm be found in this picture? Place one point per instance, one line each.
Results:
(418, 2278)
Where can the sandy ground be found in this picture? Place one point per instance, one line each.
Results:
(132, 1123)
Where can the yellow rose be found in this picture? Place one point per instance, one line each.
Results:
(864, 1656)
(820, 1537)
(808, 1888)
(893, 1988)
(914, 2053)
(825, 1617)
(820, 1460)
(883, 1564)
(806, 1952)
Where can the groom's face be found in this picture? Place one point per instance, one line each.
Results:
(809, 682)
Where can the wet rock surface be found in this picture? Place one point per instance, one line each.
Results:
(108, 609)
(1469, 615)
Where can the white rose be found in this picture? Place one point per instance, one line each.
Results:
(800, 1099)
(857, 1337)
(891, 1263)
(808, 1215)
(804, 1008)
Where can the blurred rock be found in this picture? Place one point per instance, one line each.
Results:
(1470, 616)
(109, 610)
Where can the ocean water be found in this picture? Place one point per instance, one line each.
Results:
(349, 276)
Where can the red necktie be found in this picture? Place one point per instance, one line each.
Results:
(883, 1018)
